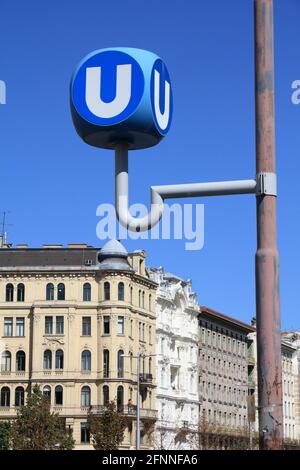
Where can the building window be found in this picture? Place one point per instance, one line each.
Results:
(120, 363)
(47, 392)
(131, 295)
(131, 362)
(20, 326)
(58, 400)
(19, 396)
(8, 326)
(150, 365)
(87, 292)
(6, 361)
(150, 302)
(85, 396)
(9, 293)
(61, 291)
(48, 325)
(50, 291)
(120, 398)
(20, 361)
(143, 299)
(47, 359)
(84, 433)
(59, 325)
(5, 396)
(20, 293)
(105, 363)
(86, 361)
(120, 325)
(105, 392)
(86, 326)
(106, 291)
(59, 359)
(106, 325)
(139, 298)
(121, 291)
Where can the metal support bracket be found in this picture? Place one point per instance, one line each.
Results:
(266, 184)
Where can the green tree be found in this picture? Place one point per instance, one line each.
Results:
(107, 429)
(5, 435)
(37, 428)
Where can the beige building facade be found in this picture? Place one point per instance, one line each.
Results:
(225, 370)
(71, 320)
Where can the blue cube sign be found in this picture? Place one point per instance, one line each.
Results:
(121, 94)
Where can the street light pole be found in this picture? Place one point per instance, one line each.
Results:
(267, 258)
(138, 413)
(138, 434)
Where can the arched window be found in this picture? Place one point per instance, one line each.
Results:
(150, 365)
(105, 363)
(59, 359)
(6, 361)
(120, 363)
(47, 392)
(150, 302)
(86, 292)
(5, 396)
(139, 298)
(19, 396)
(47, 359)
(85, 396)
(20, 361)
(20, 293)
(50, 291)
(85, 360)
(143, 300)
(105, 392)
(58, 395)
(106, 291)
(9, 293)
(120, 398)
(61, 291)
(121, 291)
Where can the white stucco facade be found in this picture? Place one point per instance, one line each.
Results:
(177, 362)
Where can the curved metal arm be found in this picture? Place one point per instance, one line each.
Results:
(159, 193)
(141, 224)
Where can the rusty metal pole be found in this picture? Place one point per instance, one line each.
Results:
(267, 258)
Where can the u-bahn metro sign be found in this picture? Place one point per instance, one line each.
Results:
(121, 94)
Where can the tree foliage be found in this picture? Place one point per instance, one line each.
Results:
(107, 429)
(5, 435)
(37, 428)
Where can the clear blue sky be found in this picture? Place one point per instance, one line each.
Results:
(52, 182)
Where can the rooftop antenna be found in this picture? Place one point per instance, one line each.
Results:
(3, 233)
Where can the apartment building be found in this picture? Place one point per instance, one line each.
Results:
(226, 366)
(177, 362)
(72, 320)
(290, 353)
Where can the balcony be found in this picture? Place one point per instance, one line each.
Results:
(127, 410)
(146, 379)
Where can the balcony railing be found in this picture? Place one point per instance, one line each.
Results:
(127, 410)
(146, 378)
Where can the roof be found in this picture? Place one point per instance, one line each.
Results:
(215, 315)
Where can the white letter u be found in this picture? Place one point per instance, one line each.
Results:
(93, 92)
(162, 119)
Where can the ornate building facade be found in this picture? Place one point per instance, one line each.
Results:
(177, 361)
(72, 321)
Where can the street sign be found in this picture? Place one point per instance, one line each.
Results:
(121, 94)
